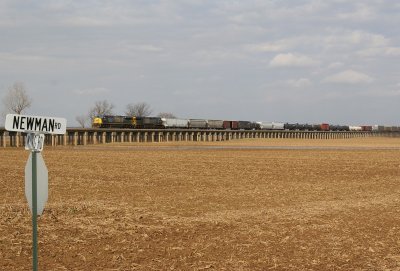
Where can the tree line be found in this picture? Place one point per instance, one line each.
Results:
(17, 101)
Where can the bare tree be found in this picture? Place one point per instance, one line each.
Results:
(17, 100)
(138, 110)
(167, 115)
(101, 108)
(82, 120)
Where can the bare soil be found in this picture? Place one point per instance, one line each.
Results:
(123, 207)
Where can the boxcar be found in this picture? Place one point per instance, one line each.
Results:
(366, 128)
(230, 125)
(227, 125)
(324, 127)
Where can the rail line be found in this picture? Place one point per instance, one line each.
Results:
(93, 136)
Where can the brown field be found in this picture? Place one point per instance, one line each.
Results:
(239, 205)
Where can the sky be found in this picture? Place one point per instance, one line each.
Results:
(308, 61)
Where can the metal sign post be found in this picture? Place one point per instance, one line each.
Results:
(34, 213)
(36, 187)
(36, 175)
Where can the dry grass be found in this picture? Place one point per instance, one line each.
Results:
(118, 207)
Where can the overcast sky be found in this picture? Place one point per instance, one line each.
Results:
(291, 61)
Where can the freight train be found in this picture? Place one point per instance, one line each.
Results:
(127, 122)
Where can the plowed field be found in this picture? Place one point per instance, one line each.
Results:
(334, 205)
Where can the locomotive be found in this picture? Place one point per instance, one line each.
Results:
(129, 122)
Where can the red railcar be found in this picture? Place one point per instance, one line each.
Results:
(324, 127)
(366, 128)
(234, 125)
(230, 125)
(227, 124)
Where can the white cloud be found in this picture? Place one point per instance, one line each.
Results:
(300, 83)
(275, 46)
(348, 77)
(340, 38)
(291, 60)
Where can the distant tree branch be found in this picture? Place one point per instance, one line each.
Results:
(167, 115)
(82, 120)
(17, 99)
(138, 110)
(101, 108)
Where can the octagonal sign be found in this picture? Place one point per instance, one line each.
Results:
(42, 182)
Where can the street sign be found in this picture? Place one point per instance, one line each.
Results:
(35, 124)
(42, 182)
(36, 174)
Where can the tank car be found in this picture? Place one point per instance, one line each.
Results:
(339, 128)
(308, 127)
(198, 124)
(271, 125)
(355, 128)
(215, 124)
(291, 126)
(245, 125)
(300, 126)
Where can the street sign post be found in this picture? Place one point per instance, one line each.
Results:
(36, 174)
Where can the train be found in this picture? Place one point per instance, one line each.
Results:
(129, 122)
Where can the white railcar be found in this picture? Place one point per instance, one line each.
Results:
(271, 125)
(355, 128)
(175, 123)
